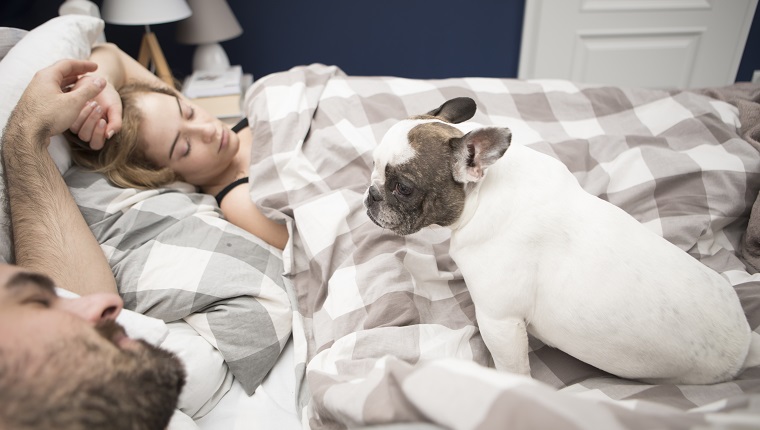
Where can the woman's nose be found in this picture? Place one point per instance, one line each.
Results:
(206, 132)
(94, 307)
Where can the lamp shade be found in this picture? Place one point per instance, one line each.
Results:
(212, 21)
(144, 12)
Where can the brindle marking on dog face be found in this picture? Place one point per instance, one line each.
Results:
(424, 116)
(421, 191)
(413, 182)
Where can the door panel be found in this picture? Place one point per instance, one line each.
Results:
(645, 43)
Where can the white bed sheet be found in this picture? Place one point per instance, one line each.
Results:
(272, 406)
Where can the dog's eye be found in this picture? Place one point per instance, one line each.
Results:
(403, 189)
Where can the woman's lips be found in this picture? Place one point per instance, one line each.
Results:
(224, 140)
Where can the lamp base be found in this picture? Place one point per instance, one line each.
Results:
(150, 50)
(210, 57)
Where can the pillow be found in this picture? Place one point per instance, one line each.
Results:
(9, 37)
(208, 378)
(69, 36)
(175, 258)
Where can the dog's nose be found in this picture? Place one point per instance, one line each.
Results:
(375, 195)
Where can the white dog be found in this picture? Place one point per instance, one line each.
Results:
(541, 256)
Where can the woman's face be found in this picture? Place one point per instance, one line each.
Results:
(185, 138)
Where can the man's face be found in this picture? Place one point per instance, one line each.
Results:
(32, 315)
(73, 350)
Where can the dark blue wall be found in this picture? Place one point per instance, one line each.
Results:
(751, 57)
(409, 38)
(416, 39)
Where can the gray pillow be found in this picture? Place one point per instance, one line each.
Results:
(8, 38)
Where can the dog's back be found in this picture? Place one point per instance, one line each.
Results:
(541, 255)
(591, 280)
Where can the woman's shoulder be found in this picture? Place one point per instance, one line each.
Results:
(229, 187)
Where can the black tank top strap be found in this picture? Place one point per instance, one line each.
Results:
(229, 188)
(243, 123)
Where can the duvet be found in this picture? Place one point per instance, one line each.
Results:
(384, 328)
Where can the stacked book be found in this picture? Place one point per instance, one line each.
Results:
(219, 93)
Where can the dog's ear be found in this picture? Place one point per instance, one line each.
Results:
(455, 110)
(478, 150)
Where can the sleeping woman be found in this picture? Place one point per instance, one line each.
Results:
(143, 134)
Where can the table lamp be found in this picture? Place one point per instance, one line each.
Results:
(147, 12)
(212, 22)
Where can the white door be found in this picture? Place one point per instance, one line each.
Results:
(642, 43)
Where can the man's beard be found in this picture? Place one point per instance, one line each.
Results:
(158, 372)
(87, 381)
(109, 329)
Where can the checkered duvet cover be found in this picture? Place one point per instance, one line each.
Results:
(384, 328)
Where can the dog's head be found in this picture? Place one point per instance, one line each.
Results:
(424, 163)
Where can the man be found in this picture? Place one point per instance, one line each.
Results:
(65, 363)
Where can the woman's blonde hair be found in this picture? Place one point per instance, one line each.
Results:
(122, 160)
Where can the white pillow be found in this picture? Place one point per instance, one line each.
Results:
(69, 36)
(208, 377)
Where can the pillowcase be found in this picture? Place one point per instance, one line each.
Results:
(9, 37)
(69, 36)
(208, 377)
(175, 258)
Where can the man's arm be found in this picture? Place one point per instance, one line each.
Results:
(50, 234)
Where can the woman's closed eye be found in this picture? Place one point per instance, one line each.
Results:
(186, 152)
(189, 112)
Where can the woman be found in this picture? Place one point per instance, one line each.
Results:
(143, 134)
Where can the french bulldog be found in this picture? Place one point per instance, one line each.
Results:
(540, 255)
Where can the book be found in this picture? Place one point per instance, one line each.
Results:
(208, 84)
(226, 106)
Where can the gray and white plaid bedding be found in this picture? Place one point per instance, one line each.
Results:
(384, 327)
(174, 258)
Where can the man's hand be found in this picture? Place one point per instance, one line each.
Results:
(49, 233)
(100, 118)
(48, 107)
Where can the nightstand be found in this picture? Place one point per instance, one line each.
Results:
(224, 103)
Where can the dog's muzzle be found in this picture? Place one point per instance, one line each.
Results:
(373, 195)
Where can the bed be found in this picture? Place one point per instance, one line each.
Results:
(361, 327)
